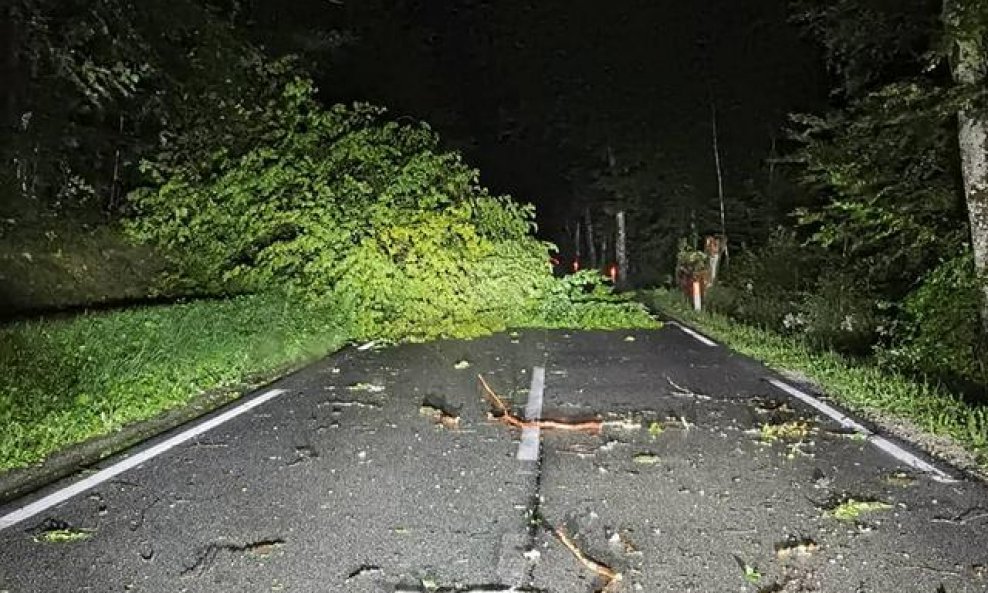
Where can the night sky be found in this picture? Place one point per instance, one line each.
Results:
(534, 92)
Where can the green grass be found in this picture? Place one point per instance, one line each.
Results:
(65, 381)
(858, 385)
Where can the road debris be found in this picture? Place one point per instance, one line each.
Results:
(851, 509)
(63, 535)
(428, 585)
(793, 430)
(368, 387)
(645, 458)
(462, 364)
(342, 403)
(795, 548)
(969, 516)
(504, 414)
(611, 578)
(655, 429)
(680, 391)
(303, 454)
(440, 412)
(900, 478)
(623, 424)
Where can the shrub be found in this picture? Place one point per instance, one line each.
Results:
(838, 314)
(941, 333)
(342, 206)
(585, 300)
(764, 286)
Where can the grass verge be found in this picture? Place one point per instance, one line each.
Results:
(875, 392)
(65, 381)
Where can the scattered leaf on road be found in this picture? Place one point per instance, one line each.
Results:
(646, 458)
(852, 509)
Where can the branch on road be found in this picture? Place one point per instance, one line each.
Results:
(610, 577)
(504, 414)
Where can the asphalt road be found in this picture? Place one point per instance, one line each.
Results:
(345, 483)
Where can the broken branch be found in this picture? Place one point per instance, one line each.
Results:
(610, 577)
(505, 415)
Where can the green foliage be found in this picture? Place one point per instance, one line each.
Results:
(765, 286)
(585, 300)
(95, 87)
(838, 314)
(866, 41)
(937, 334)
(63, 381)
(343, 206)
(887, 171)
(691, 262)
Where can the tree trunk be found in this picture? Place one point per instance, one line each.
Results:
(970, 68)
(590, 241)
(720, 178)
(621, 251)
(577, 243)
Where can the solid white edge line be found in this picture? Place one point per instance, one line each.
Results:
(528, 449)
(60, 496)
(880, 442)
(702, 339)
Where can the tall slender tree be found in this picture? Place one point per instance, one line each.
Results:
(965, 21)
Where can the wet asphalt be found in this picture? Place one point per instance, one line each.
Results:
(345, 483)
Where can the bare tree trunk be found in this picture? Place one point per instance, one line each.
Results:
(590, 241)
(720, 178)
(621, 251)
(577, 243)
(970, 68)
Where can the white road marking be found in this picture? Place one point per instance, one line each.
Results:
(879, 441)
(702, 339)
(528, 449)
(60, 496)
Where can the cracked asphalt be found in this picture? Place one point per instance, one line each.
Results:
(346, 483)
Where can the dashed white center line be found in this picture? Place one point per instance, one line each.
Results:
(879, 441)
(699, 338)
(528, 449)
(59, 496)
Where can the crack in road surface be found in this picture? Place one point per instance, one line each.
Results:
(209, 555)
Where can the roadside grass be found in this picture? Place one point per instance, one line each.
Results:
(64, 381)
(860, 386)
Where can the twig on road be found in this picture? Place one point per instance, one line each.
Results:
(610, 576)
(683, 392)
(505, 415)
